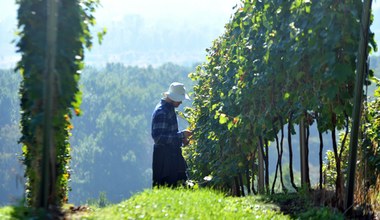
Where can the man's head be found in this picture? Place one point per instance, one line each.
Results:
(176, 94)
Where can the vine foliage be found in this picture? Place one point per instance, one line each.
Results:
(72, 28)
(279, 63)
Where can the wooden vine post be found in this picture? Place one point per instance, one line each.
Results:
(260, 179)
(303, 153)
(47, 188)
(356, 113)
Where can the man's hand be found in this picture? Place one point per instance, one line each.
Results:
(186, 137)
(187, 133)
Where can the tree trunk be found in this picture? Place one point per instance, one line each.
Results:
(261, 163)
(278, 158)
(280, 155)
(266, 164)
(303, 153)
(320, 156)
(339, 180)
(290, 125)
(236, 187)
(247, 177)
(253, 172)
(343, 145)
(307, 154)
(241, 184)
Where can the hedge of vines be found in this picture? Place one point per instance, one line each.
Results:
(278, 62)
(74, 19)
(367, 181)
(369, 168)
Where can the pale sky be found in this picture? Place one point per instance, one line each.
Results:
(167, 8)
(175, 9)
(192, 12)
(149, 9)
(376, 5)
(188, 11)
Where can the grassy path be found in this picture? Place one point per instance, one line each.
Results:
(204, 204)
(187, 204)
(191, 204)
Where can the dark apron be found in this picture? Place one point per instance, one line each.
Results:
(169, 166)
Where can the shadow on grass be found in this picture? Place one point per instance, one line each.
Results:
(22, 212)
(316, 204)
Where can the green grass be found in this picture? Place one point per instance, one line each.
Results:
(187, 204)
(14, 212)
(6, 212)
(202, 204)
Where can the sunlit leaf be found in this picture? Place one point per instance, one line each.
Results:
(223, 118)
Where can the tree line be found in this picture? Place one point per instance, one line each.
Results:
(110, 140)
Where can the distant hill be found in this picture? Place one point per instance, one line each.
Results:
(138, 41)
(134, 39)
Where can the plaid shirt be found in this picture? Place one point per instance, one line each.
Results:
(165, 126)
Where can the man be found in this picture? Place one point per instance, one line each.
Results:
(169, 166)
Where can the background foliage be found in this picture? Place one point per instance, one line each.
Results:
(11, 170)
(109, 141)
(112, 146)
(88, 137)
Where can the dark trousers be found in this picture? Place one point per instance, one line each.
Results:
(171, 181)
(169, 166)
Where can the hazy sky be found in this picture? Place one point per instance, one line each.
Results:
(173, 9)
(176, 9)
(209, 13)
(158, 9)
(188, 11)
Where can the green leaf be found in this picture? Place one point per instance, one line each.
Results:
(230, 125)
(307, 9)
(214, 106)
(223, 118)
(286, 96)
(101, 35)
(343, 71)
